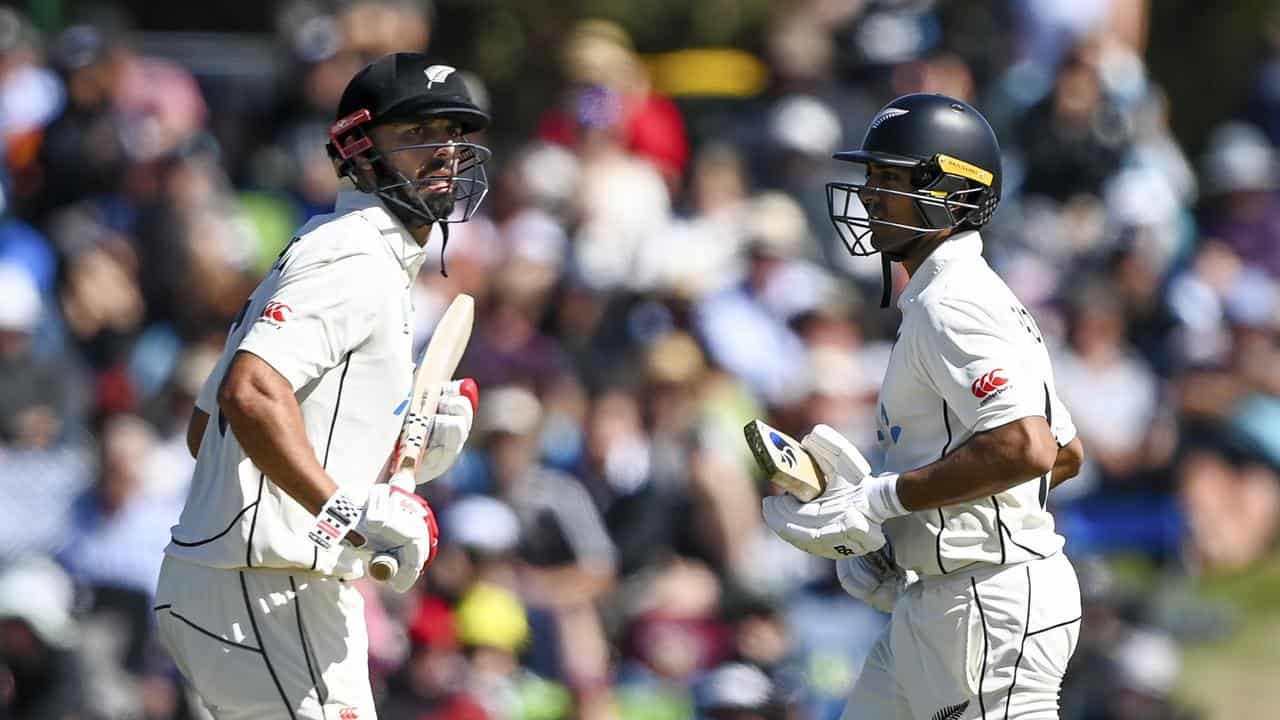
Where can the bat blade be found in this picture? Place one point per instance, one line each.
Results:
(784, 461)
(436, 367)
(439, 360)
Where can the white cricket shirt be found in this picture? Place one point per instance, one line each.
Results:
(969, 358)
(334, 317)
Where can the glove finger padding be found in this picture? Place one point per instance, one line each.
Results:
(452, 403)
(392, 517)
(416, 555)
(834, 452)
(833, 536)
(448, 430)
(410, 557)
(778, 516)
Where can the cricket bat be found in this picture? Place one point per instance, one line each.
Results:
(784, 461)
(438, 362)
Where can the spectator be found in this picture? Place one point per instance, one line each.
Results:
(737, 692)
(38, 637)
(608, 84)
(429, 684)
(1241, 208)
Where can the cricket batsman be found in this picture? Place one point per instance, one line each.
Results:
(972, 437)
(293, 428)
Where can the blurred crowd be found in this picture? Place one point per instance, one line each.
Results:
(653, 268)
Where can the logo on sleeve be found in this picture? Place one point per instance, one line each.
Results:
(989, 385)
(276, 312)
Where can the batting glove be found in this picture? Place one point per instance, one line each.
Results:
(449, 428)
(874, 578)
(876, 496)
(843, 521)
(400, 522)
(830, 526)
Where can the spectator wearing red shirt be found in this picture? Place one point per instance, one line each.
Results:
(609, 89)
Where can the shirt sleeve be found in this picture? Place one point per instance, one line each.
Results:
(207, 399)
(985, 376)
(318, 313)
(1060, 422)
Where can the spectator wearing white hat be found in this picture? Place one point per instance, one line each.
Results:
(737, 691)
(38, 638)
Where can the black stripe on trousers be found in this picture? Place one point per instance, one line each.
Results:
(1008, 698)
(209, 633)
(244, 588)
(317, 682)
(983, 616)
(1055, 626)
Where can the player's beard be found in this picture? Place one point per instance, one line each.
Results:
(439, 202)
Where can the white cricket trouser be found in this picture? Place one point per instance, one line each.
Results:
(986, 644)
(264, 643)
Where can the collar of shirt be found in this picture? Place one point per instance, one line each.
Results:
(402, 245)
(962, 246)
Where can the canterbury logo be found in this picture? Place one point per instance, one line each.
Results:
(951, 712)
(438, 74)
(887, 114)
(276, 311)
(988, 383)
(348, 713)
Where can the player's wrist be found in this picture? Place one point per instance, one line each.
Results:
(335, 521)
(883, 502)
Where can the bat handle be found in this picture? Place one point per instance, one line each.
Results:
(385, 565)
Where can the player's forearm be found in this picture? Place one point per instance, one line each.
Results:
(262, 411)
(1067, 463)
(989, 463)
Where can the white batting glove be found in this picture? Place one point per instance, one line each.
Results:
(398, 521)
(843, 521)
(874, 578)
(448, 429)
(837, 457)
(830, 526)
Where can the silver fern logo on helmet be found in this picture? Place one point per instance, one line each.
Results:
(438, 74)
(887, 114)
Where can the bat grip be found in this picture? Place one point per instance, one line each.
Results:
(385, 565)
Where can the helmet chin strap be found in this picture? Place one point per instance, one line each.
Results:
(417, 216)
(444, 243)
(886, 280)
(887, 258)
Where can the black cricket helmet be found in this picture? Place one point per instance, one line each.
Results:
(407, 87)
(954, 160)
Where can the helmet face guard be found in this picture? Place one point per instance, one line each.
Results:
(457, 163)
(949, 193)
(462, 169)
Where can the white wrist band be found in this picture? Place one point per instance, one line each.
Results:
(882, 497)
(339, 514)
